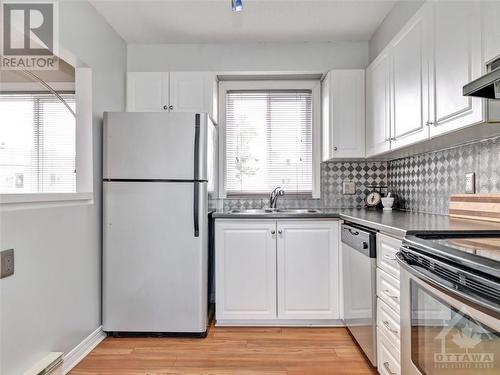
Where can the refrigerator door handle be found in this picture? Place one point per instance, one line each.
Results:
(196, 200)
(196, 187)
(196, 146)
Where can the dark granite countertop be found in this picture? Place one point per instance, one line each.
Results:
(399, 223)
(326, 213)
(396, 223)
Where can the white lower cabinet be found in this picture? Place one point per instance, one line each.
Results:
(388, 306)
(388, 356)
(282, 271)
(245, 270)
(308, 278)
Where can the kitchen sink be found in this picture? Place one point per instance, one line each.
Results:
(300, 211)
(261, 211)
(253, 211)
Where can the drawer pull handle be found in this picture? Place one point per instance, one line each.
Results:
(387, 257)
(388, 368)
(388, 294)
(388, 326)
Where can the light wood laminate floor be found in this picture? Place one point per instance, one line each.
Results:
(232, 351)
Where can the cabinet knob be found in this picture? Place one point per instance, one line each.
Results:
(335, 148)
(171, 107)
(273, 232)
(280, 232)
(165, 107)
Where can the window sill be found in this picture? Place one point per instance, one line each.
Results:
(43, 198)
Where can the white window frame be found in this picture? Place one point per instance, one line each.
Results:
(313, 85)
(84, 154)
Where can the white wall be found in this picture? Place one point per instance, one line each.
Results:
(393, 22)
(247, 56)
(53, 301)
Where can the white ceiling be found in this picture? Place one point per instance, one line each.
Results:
(212, 21)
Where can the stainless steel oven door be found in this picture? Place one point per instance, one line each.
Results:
(442, 332)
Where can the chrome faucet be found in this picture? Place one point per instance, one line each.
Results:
(275, 194)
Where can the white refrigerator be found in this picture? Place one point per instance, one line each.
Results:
(158, 172)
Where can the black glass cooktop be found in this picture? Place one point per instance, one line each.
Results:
(488, 247)
(472, 250)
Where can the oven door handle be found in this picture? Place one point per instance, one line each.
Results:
(444, 284)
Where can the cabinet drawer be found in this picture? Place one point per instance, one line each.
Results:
(388, 322)
(388, 289)
(388, 356)
(387, 247)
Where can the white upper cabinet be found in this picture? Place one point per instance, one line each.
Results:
(343, 110)
(454, 62)
(490, 15)
(378, 107)
(443, 47)
(409, 84)
(308, 269)
(174, 91)
(147, 91)
(193, 92)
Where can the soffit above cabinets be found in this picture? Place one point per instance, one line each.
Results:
(212, 21)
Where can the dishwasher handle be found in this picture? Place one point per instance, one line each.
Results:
(360, 240)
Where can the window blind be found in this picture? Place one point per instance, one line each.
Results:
(268, 141)
(37, 143)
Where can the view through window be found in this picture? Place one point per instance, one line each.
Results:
(37, 143)
(268, 141)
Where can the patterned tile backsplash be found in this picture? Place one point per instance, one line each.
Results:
(425, 182)
(333, 174)
(421, 182)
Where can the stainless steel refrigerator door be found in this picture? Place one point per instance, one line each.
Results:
(145, 145)
(154, 268)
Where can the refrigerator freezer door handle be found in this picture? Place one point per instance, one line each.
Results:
(196, 146)
(196, 200)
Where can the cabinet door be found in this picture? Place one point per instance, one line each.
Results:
(326, 153)
(245, 269)
(409, 73)
(347, 119)
(308, 270)
(192, 92)
(456, 60)
(378, 107)
(147, 92)
(490, 13)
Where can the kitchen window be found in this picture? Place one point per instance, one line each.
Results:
(37, 143)
(45, 149)
(270, 137)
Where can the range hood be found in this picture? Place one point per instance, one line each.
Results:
(487, 86)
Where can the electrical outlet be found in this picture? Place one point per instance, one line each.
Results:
(470, 183)
(6, 263)
(348, 188)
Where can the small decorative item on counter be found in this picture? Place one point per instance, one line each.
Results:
(387, 202)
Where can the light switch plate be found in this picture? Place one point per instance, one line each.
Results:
(6, 263)
(470, 183)
(348, 188)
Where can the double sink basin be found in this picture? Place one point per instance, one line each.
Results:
(263, 211)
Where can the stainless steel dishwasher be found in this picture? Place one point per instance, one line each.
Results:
(360, 291)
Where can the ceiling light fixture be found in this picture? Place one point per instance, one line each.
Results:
(237, 5)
